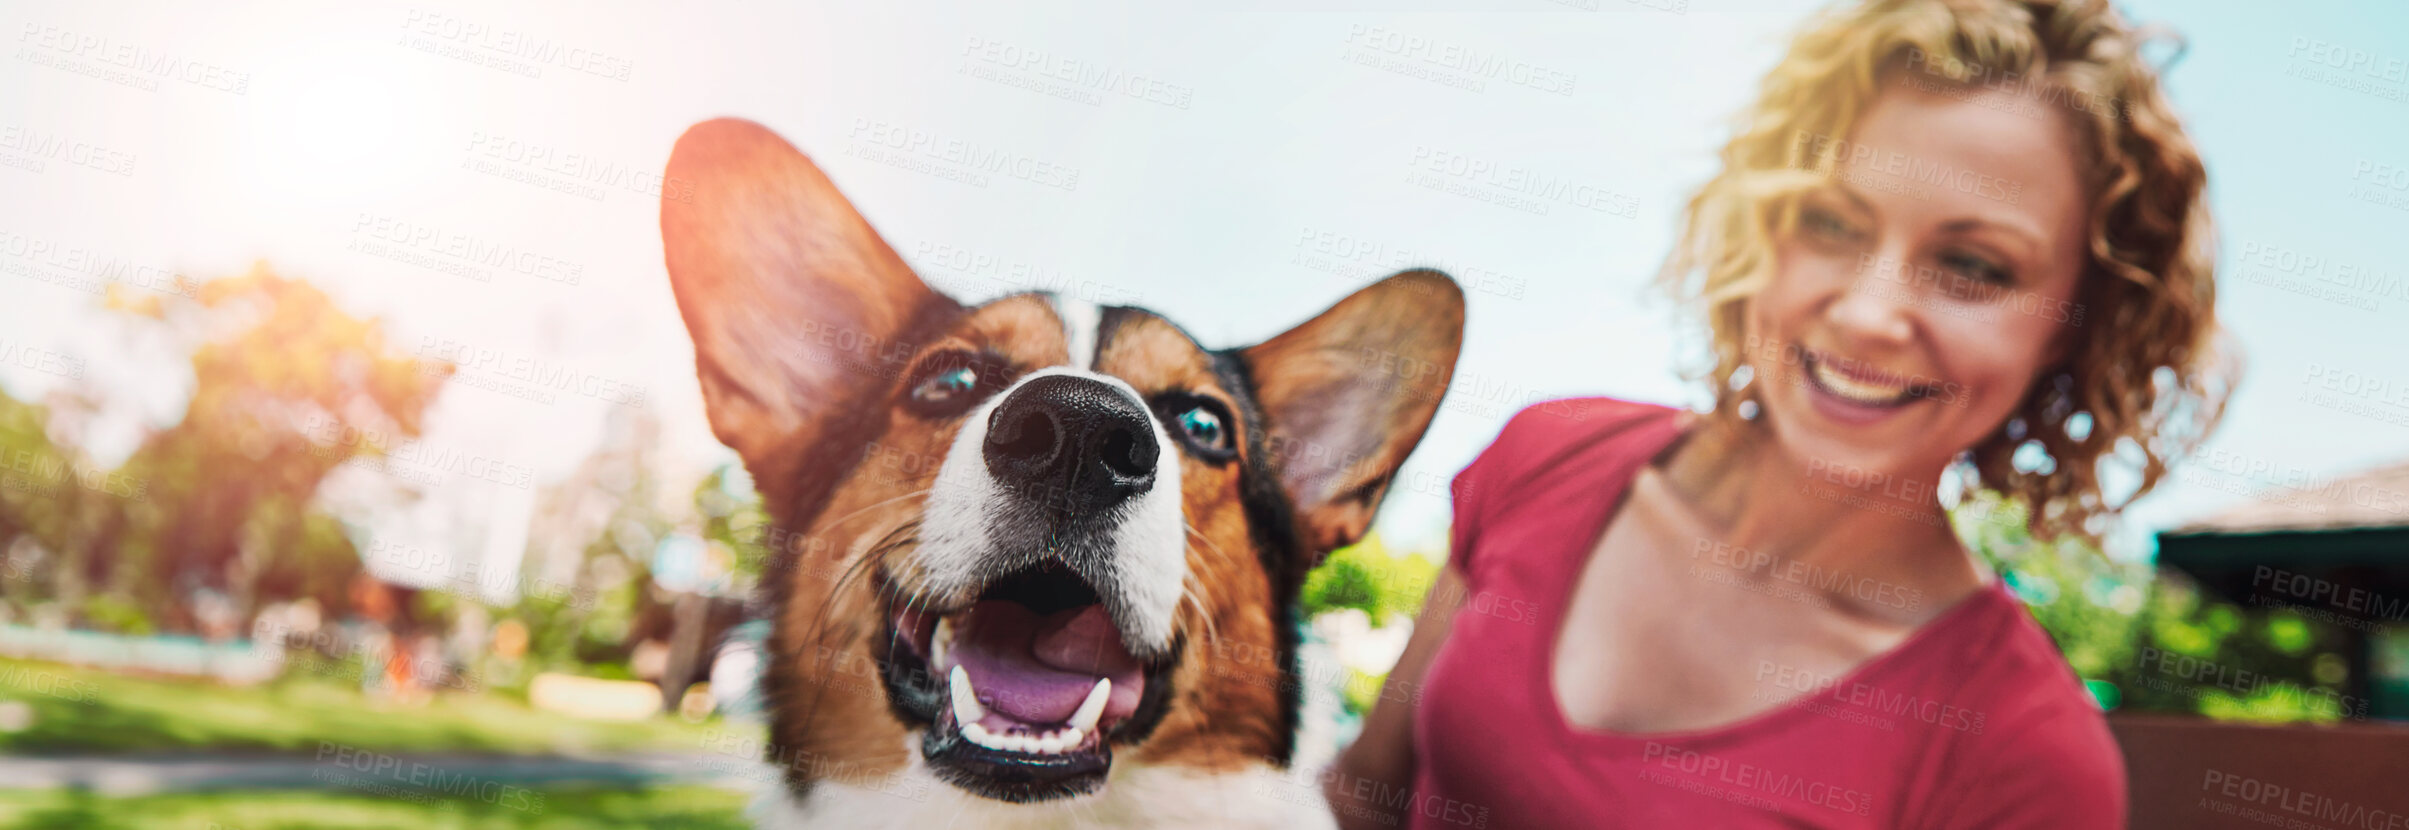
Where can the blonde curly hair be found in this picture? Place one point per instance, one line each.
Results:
(2144, 379)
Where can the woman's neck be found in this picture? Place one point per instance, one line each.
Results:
(1855, 544)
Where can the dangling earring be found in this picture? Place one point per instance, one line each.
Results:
(1741, 377)
(2031, 456)
(1964, 480)
(2060, 402)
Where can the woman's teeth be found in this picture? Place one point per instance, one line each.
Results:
(1858, 391)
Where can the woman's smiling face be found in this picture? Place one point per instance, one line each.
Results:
(1926, 286)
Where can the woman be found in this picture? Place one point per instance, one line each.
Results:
(1962, 238)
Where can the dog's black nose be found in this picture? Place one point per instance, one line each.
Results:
(1072, 443)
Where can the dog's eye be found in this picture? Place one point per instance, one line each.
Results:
(946, 385)
(1204, 426)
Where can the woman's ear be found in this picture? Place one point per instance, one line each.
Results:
(1348, 394)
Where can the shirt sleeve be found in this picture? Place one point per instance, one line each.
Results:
(1486, 487)
(1472, 491)
(2063, 772)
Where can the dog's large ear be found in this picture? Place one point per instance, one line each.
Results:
(1347, 395)
(800, 313)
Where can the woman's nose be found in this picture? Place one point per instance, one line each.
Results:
(1877, 303)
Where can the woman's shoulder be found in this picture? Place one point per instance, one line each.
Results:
(1546, 431)
(2037, 735)
(2004, 662)
(2033, 677)
(1557, 447)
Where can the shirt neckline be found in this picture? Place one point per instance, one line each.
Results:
(1673, 427)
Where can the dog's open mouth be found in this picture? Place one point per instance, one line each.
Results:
(1025, 689)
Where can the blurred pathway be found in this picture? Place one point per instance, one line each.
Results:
(371, 772)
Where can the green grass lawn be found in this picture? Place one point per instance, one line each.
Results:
(684, 808)
(82, 710)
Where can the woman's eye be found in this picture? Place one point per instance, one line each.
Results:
(1824, 224)
(946, 385)
(1981, 270)
(1204, 427)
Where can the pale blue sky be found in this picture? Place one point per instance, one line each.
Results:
(1245, 151)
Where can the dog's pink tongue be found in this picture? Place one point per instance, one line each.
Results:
(1039, 669)
(1083, 640)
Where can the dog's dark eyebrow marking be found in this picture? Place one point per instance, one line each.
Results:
(1108, 324)
(1271, 520)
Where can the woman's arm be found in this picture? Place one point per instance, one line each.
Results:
(1363, 784)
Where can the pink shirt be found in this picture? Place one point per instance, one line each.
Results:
(1974, 721)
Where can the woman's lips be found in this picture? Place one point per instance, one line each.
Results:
(1857, 383)
(1856, 397)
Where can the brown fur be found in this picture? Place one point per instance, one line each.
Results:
(882, 496)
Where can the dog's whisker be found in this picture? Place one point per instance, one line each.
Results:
(915, 598)
(1207, 540)
(1189, 590)
(855, 570)
(818, 633)
(1204, 601)
(1212, 638)
(832, 523)
(1096, 818)
(1191, 577)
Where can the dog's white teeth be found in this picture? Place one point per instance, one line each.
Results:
(1056, 742)
(940, 642)
(967, 710)
(1092, 708)
(968, 713)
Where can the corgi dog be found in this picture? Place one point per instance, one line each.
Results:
(1035, 562)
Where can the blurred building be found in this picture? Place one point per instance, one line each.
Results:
(2334, 550)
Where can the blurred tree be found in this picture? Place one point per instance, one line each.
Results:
(2147, 639)
(734, 520)
(286, 387)
(39, 508)
(52, 497)
(585, 577)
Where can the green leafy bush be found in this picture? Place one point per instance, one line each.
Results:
(1370, 577)
(2147, 639)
